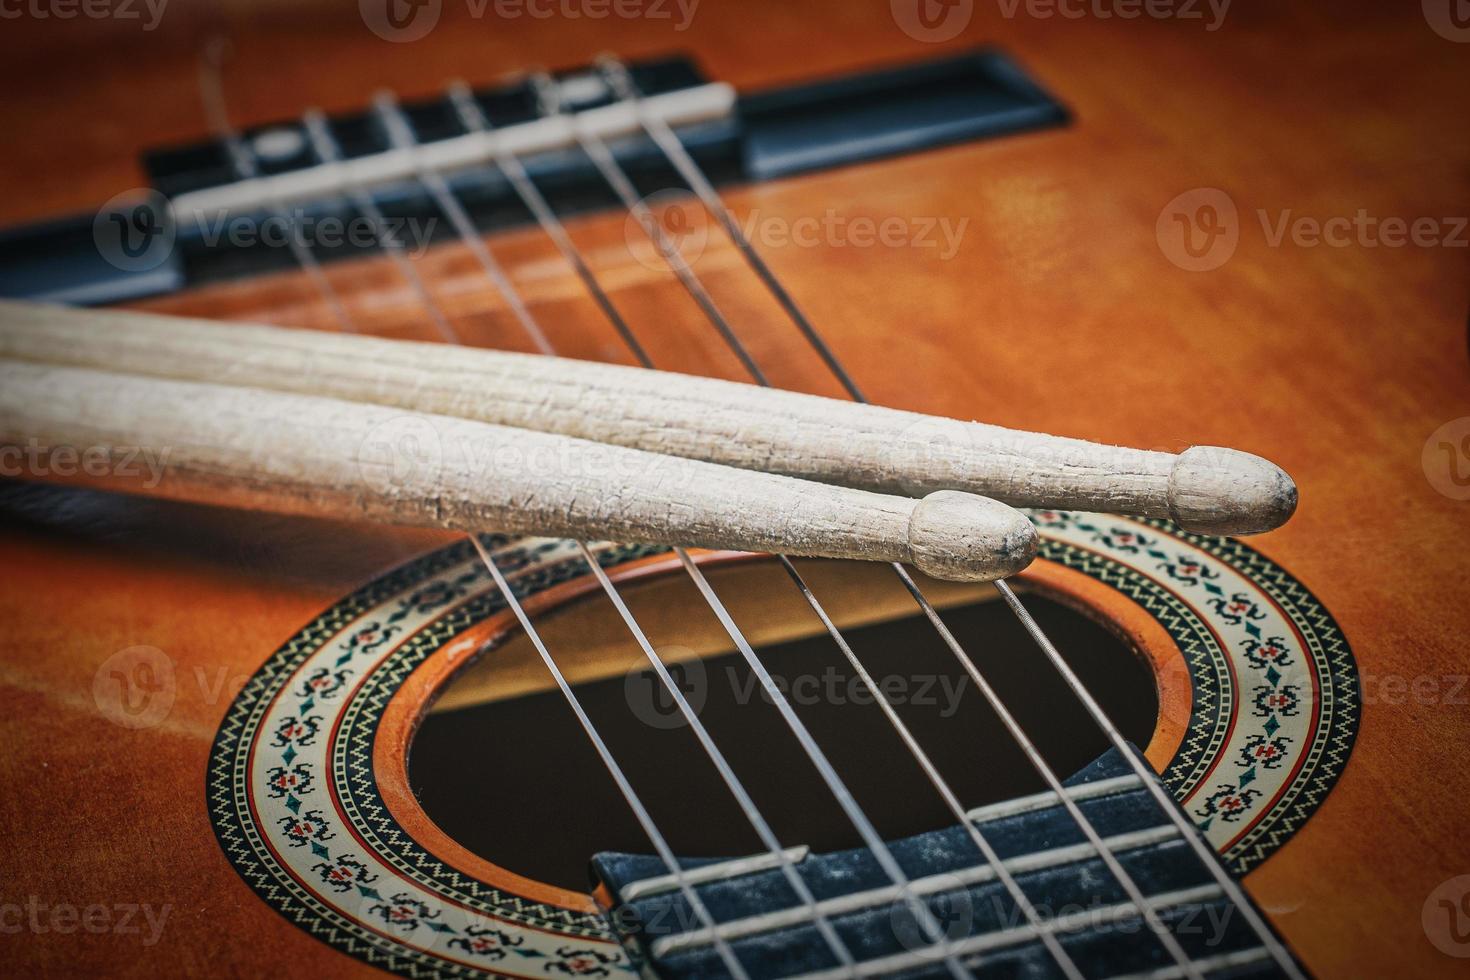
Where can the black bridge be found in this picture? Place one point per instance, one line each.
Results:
(161, 242)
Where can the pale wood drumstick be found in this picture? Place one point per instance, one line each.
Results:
(253, 448)
(1207, 489)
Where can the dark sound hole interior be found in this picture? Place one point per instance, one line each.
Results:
(517, 782)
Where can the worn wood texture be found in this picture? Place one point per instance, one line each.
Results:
(1207, 489)
(1058, 311)
(324, 457)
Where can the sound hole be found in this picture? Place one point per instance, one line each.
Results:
(501, 765)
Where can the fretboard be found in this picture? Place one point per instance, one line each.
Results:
(773, 934)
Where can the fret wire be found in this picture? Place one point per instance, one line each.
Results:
(404, 137)
(245, 163)
(621, 81)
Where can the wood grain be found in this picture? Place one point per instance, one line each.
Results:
(1059, 312)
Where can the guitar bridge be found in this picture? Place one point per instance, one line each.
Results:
(188, 231)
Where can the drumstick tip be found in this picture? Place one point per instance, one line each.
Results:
(1213, 490)
(963, 537)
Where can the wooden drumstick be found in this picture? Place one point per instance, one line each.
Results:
(1206, 488)
(266, 450)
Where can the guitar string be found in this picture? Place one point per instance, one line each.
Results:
(619, 180)
(622, 186)
(212, 89)
(618, 78)
(474, 119)
(787, 303)
(606, 164)
(673, 148)
(386, 106)
(329, 153)
(933, 934)
(401, 134)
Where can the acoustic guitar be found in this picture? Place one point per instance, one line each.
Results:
(255, 744)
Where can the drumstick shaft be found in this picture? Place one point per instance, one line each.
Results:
(1206, 489)
(259, 449)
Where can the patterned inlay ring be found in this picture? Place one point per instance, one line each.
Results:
(295, 802)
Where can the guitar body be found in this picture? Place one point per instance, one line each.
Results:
(1140, 276)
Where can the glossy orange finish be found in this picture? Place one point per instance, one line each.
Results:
(1059, 310)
